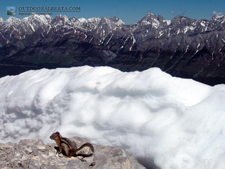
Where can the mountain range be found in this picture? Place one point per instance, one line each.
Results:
(182, 47)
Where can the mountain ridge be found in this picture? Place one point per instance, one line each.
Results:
(183, 47)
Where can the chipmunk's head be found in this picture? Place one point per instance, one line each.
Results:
(55, 135)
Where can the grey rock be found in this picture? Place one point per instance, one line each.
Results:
(35, 154)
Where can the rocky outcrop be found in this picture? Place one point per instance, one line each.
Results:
(35, 154)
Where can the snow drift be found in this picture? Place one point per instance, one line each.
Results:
(178, 123)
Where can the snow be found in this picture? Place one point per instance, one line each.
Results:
(223, 40)
(12, 21)
(133, 42)
(32, 27)
(155, 24)
(109, 39)
(94, 20)
(1, 20)
(177, 123)
(160, 34)
(203, 24)
(82, 20)
(219, 16)
(120, 22)
(187, 28)
(168, 22)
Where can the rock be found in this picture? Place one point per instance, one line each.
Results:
(35, 154)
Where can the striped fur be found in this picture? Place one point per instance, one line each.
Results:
(69, 146)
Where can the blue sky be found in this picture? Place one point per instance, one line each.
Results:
(129, 11)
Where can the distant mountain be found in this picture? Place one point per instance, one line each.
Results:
(182, 46)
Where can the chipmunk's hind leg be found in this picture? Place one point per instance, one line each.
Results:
(71, 152)
(82, 159)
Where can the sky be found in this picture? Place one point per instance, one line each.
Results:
(129, 11)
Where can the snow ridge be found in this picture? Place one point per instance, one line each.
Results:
(151, 114)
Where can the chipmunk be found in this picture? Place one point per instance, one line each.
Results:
(69, 146)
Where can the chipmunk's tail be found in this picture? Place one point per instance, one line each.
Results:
(87, 145)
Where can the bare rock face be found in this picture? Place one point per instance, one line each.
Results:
(35, 154)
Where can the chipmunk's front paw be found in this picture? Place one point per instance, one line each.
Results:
(60, 155)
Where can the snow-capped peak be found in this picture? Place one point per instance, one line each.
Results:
(43, 19)
(62, 18)
(90, 20)
(219, 18)
(117, 21)
(1, 20)
(150, 19)
(94, 20)
(13, 20)
(82, 20)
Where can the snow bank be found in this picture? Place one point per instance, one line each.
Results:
(176, 122)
